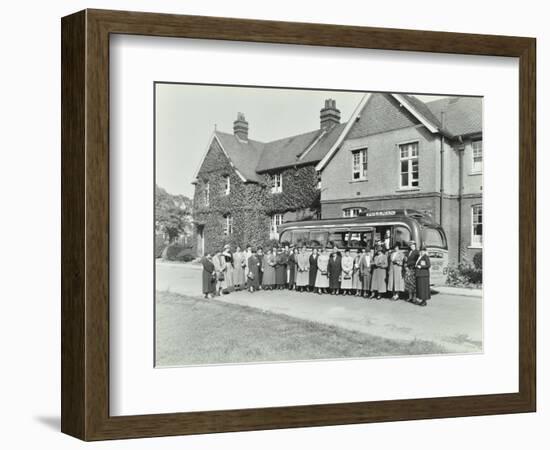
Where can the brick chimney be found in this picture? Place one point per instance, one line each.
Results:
(330, 115)
(240, 127)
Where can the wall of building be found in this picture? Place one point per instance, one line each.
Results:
(251, 205)
(383, 175)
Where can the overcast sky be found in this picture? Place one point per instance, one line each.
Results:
(187, 114)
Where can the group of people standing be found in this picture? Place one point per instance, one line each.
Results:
(370, 273)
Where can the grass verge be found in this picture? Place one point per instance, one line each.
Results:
(192, 331)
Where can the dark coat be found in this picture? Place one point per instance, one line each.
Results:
(280, 268)
(312, 269)
(334, 271)
(208, 276)
(254, 272)
(291, 263)
(423, 278)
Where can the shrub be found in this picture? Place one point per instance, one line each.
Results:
(463, 275)
(478, 260)
(172, 251)
(185, 256)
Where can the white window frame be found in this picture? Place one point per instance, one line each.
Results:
(276, 220)
(276, 181)
(363, 163)
(476, 241)
(227, 184)
(207, 193)
(410, 158)
(353, 211)
(228, 228)
(477, 166)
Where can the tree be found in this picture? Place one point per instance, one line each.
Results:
(172, 214)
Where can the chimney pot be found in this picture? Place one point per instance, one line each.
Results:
(240, 127)
(330, 115)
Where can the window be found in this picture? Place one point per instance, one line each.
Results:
(319, 183)
(207, 194)
(228, 228)
(402, 236)
(352, 212)
(276, 220)
(317, 238)
(408, 165)
(227, 185)
(276, 183)
(477, 156)
(477, 226)
(359, 159)
(432, 237)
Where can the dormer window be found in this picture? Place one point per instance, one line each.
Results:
(276, 181)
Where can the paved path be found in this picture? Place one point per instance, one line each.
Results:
(453, 321)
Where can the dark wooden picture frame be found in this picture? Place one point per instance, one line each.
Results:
(85, 224)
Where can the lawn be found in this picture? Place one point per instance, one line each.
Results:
(193, 330)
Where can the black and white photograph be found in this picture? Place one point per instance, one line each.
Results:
(299, 224)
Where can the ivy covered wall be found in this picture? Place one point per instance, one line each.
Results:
(250, 204)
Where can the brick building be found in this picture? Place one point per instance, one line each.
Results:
(245, 188)
(399, 152)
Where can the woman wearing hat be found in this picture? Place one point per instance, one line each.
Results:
(410, 271)
(423, 277)
(208, 276)
(254, 265)
(395, 272)
(268, 280)
(321, 280)
(378, 284)
(302, 275)
(228, 256)
(365, 268)
(239, 264)
(280, 268)
(291, 265)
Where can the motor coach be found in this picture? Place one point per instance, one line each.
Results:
(368, 228)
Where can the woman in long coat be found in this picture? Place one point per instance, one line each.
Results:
(219, 269)
(410, 271)
(396, 284)
(280, 269)
(321, 279)
(313, 268)
(357, 282)
(269, 270)
(378, 283)
(239, 265)
(302, 274)
(291, 265)
(228, 267)
(347, 273)
(365, 270)
(334, 272)
(208, 276)
(253, 272)
(423, 277)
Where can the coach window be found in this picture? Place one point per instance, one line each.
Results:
(317, 238)
(338, 238)
(402, 236)
(300, 237)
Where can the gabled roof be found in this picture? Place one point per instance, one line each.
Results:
(301, 149)
(461, 115)
(243, 155)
